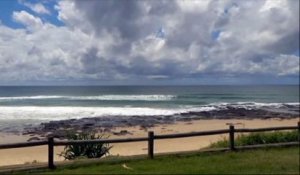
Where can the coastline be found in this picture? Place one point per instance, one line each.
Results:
(39, 153)
(59, 128)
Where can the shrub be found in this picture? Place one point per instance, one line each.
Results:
(91, 150)
(259, 138)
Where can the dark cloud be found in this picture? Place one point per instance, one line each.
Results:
(287, 44)
(114, 16)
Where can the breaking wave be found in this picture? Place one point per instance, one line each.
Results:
(99, 97)
(47, 113)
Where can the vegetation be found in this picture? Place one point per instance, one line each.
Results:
(92, 150)
(261, 161)
(259, 138)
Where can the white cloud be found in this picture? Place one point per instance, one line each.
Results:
(193, 5)
(27, 19)
(103, 40)
(150, 47)
(69, 14)
(37, 8)
(273, 4)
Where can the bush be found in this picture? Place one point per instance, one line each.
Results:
(91, 150)
(259, 138)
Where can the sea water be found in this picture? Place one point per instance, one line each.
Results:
(35, 104)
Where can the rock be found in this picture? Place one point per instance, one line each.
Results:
(106, 130)
(33, 139)
(108, 123)
(122, 132)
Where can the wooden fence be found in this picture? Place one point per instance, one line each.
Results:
(151, 137)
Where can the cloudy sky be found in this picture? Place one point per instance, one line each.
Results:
(91, 42)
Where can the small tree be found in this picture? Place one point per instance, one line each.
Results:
(91, 150)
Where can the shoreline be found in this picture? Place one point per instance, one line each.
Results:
(59, 128)
(39, 153)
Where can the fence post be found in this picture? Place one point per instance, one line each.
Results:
(299, 131)
(231, 137)
(51, 153)
(150, 144)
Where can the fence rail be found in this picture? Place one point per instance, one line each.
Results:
(266, 129)
(23, 144)
(151, 137)
(80, 142)
(191, 134)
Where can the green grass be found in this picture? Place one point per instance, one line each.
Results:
(259, 138)
(261, 161)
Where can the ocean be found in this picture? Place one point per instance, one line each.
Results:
(30, 105)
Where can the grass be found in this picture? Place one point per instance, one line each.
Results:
(259, 138)
(261, 161)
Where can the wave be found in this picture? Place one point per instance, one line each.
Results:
(254, 105)
(71, 112)
(61, 113)
(30, 97)
(99, 97)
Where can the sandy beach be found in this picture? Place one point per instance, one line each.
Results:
(39, 153)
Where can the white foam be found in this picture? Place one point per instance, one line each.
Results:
(126, 97)
(69, 112)
(99, 97)
(30, 97)
(47, 113)
(61, 113)
(292, 103)
(249, 105)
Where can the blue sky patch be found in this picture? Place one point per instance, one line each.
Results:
(7, 7)
(215, 34)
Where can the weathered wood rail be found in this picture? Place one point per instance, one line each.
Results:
(151, 137)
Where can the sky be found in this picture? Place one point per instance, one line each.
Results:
(136, 42)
